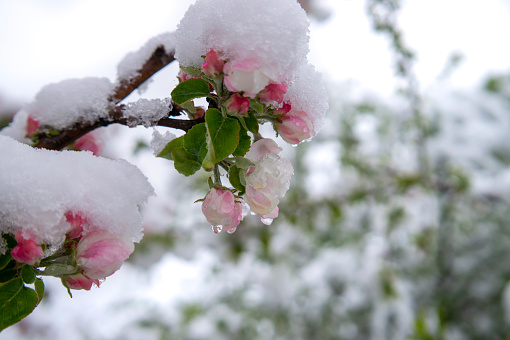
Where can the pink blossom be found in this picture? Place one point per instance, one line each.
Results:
(245, 76)
(268, 219)
(286, 107)
(89, 142)
(183, 76)
(273, 93)
(80, 281)
(32, 126)
(213, 65)
(220, 209)
(295, 127)
(268, 180)
(27, 250)
(199, 113)
(99, 254)
(237, 104)
(261, 148)
(77, 221)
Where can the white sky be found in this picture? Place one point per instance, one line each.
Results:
(48, 41)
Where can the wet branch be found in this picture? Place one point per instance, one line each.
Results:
(158, 60)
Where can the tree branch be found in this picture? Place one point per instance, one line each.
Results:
(158, 60)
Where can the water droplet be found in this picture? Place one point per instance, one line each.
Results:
(232, 230)
(217, 228)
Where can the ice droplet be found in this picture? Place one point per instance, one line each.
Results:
(217, 228)
(231, 231)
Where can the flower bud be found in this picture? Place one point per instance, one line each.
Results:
(268, 180)
(245, 76)
(32, 126)
(220, 209)
(295, 127)
(100, 254)
(80, 281)
(212, 66)
(237, 104)
(26, 251)
(273, 93)
(89, 142)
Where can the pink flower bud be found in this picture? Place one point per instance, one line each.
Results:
(184, 76)
(273, 93)
(268, 219)
(26, 251)
(286, 107)
(77, 222)
(213, 65)
(100, 254)
(89, 142)
(245, 76)
(32, 126)
(80, 281)
(237, 104)
(295, 127)
(221, 210)
(200, 112)
(261, 148)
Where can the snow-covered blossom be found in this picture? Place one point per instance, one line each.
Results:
(100, 254)
(89, 142)
(246, 76)
(221, 210)
(27, 250)
(272, 93)
(269, 179)
(213, 64)
(274, 33)
(77, 221)
(80, 281)
(237, 104)
(32, 125)
(295, 126)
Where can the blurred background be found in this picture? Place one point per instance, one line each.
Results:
(396, 223)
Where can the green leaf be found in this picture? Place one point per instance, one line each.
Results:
(4, 260)
(195, 141)
(241, 162)
(59, 270)
(222, 137)
(252, 123)
(173, 144)
(39, 289)
(188, 158)
(244, 144)
(7, 274)
(191, 71)
(234, 176)
(190, 89)
(28, 274)
(184, 162)
(257, 106)
(16, 302)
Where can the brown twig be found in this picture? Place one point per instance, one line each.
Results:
(158, 60)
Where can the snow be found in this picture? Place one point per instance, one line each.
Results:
(63, 104)
(159, 141)
(308, 93)
(147, 112)
(134, 61)
(39, 186)
(273, 33)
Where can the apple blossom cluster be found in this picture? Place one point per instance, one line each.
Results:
(68, 214)
(252, 69)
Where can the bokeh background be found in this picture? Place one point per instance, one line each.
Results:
(396, 223)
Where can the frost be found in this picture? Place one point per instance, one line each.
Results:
(273, 33)
(308, 93)
(134, 61)
(39, 186)
(159, 141)
(147, 112)
(70, 101)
